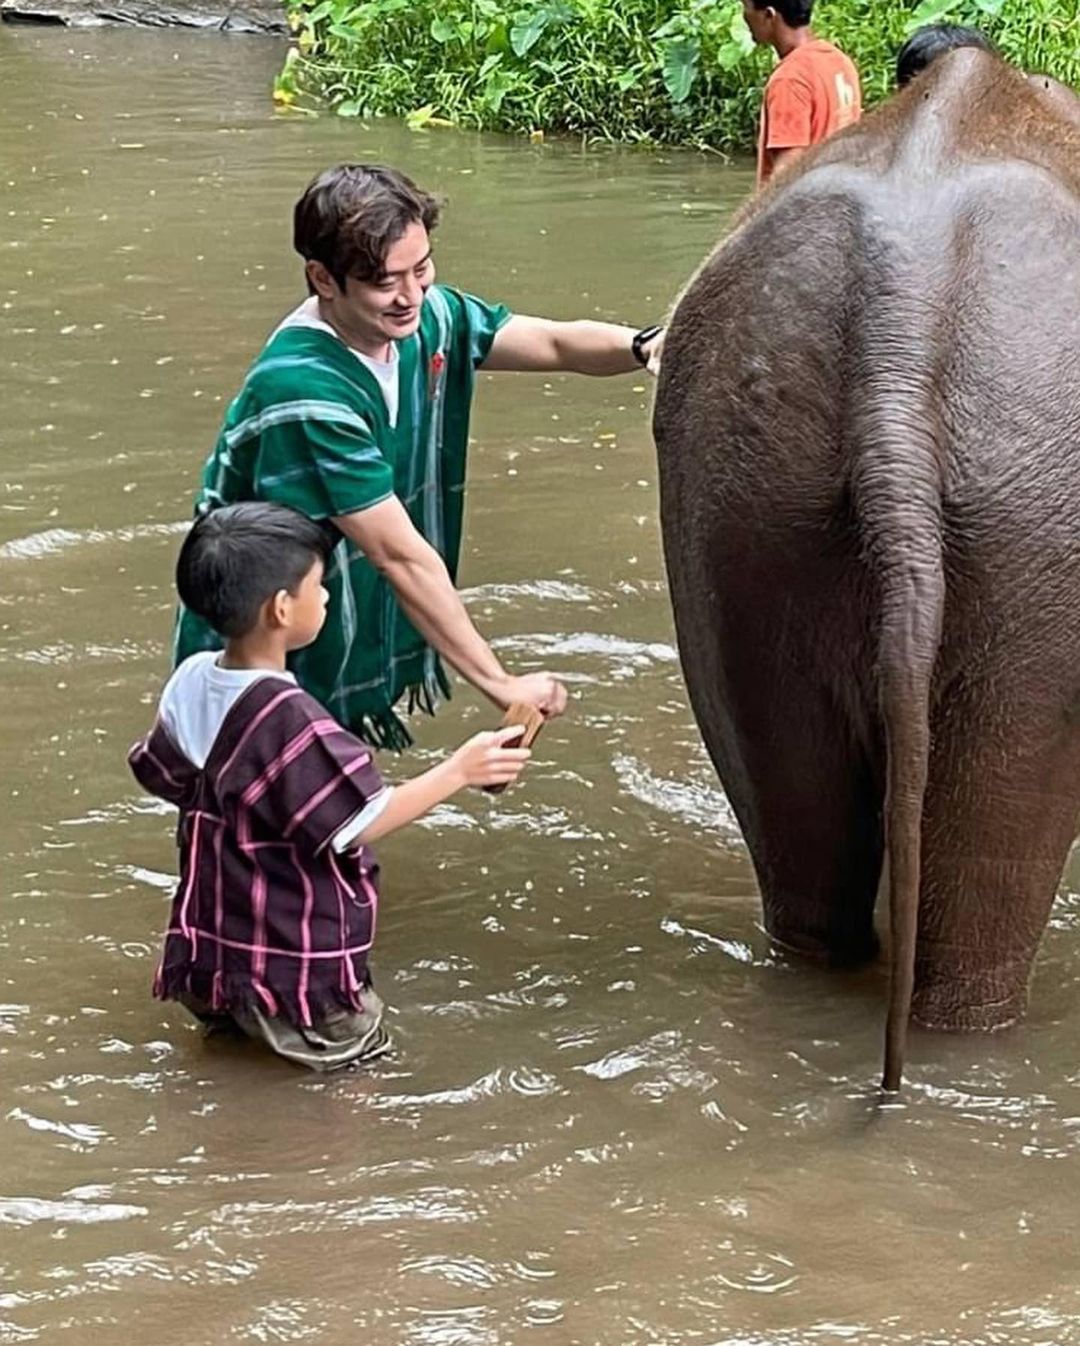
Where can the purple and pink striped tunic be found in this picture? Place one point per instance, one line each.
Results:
(265, 911)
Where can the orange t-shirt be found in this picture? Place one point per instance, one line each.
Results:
(813, 92)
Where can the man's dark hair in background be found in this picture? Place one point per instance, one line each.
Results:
(925, 45)
(795, 13)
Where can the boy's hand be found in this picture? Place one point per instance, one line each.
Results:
(483, 760)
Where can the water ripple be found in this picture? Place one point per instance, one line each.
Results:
(262, 1219)
(543, 591)
(55, 540)
(487, 1086)
(704, 806)
(27, 1210)
(704, 942)
(626, 658)
(465, 1271)
(758, 1273)
(83, 1134)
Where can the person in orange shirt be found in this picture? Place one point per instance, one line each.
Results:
(813, 91)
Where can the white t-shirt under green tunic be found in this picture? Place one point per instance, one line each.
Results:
(386, 371)
(312, 428)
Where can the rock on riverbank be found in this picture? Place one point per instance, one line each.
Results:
(245, 16)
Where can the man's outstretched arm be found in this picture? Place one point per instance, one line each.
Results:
(583, 347)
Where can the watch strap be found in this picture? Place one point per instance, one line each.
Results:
(640, 340)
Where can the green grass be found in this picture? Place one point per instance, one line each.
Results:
(649, 71)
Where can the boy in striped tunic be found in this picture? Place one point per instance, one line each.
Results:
(275, 910)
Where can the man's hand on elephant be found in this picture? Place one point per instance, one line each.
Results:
(542, 690)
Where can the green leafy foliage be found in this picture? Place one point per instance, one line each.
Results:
(676, 71)
(1037, 35)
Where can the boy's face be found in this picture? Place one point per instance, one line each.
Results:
(371, 313)
(307, 608)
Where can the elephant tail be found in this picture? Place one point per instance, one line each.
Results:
(899, 493)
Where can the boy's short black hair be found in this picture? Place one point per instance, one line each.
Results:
(350, 216)
(795, 13)
(926, 44)
(238, 556)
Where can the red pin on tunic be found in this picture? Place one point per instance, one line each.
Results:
(435, 368)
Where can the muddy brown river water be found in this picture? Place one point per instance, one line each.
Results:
(614, 1117)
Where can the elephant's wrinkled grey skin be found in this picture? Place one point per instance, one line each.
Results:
(1063, 99)
(868, 426)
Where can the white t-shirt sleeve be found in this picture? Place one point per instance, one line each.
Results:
(346, 836)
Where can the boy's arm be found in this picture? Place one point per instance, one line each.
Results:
(161, 769)
(784, 158)
(412, 800)
(347, 838)
(483, 760)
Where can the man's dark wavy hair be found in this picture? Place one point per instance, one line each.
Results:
(350, 217)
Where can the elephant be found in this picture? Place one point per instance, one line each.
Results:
(867, 422)
(1062, 97)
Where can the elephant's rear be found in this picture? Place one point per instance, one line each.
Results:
(869, 455)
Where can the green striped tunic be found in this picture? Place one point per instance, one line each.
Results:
(310, 429)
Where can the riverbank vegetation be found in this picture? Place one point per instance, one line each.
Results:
(653, 71)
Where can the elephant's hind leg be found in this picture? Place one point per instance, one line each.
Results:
(1000, 816)
(816, 836)
(800, 771)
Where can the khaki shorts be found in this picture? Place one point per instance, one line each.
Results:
(339, 1039)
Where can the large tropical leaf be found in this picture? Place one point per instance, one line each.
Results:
(679, 59)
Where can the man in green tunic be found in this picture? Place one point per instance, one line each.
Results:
(356, 412)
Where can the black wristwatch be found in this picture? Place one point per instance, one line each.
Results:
(641, 339)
